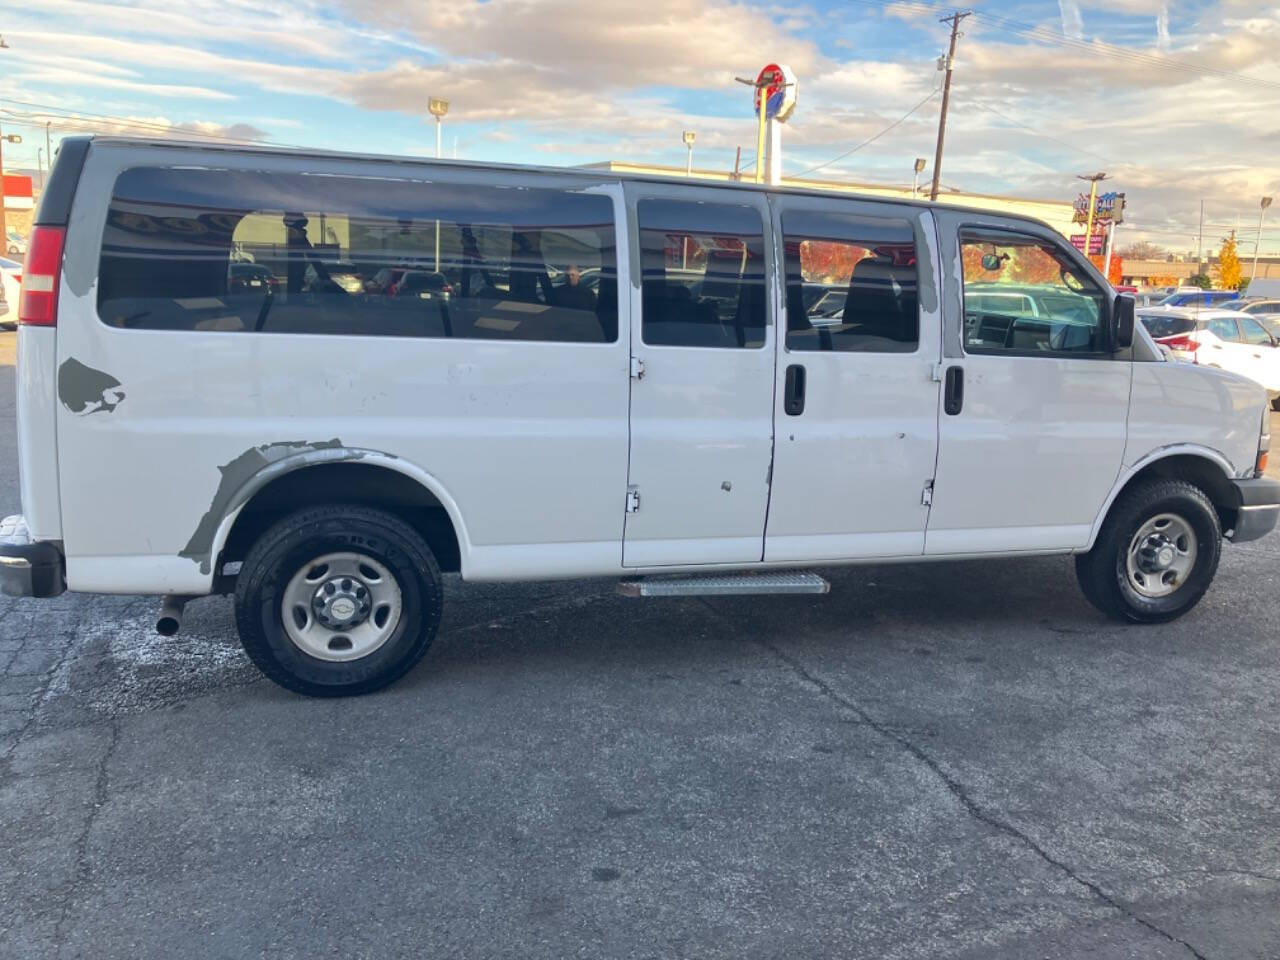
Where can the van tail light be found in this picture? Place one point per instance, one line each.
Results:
(41, 274)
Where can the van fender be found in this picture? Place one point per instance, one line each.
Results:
(1161, 453)
(255, 468)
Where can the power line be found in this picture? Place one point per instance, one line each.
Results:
(868, 142)
(1093, 47)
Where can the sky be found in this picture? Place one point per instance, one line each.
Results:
(1176, 101)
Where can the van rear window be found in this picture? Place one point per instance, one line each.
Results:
(256, 251)
(1167, 326)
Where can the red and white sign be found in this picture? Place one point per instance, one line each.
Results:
(778, 84)
(17, 192)
(1097, 244)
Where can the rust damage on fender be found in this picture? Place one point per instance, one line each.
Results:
(256, 466)
(84, 390)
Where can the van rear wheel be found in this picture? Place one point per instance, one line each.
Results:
(338, 600)
(1156, 554)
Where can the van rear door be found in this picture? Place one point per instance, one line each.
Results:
(702, 376)
(857, 407)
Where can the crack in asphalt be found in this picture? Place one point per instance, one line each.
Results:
(958, 790)
(80, 871)
(42, 695)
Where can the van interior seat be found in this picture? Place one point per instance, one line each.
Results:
(881, 300)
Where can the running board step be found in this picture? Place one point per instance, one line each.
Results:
(725, 585)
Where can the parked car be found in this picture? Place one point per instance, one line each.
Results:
(246, 277)
(424, 284)
(1228, 339)
(688, 430)
(15, 244)
(11, 287)
(1199, 298)
(1266, 310)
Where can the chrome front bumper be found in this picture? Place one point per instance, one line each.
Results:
(1259, 508)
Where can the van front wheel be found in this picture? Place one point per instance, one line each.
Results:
(338, 600)
(1156, 554)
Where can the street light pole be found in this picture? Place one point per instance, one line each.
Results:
(438, 108)
(1266, 202)
(915, 183)
(689, 137)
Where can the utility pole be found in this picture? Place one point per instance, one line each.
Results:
(954, 20)
(1093, 198)
(1266, 202)
(48, 150)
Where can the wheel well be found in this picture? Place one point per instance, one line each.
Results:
(351, 483)
(1201, 472)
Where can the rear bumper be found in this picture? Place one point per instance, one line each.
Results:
(29, 568)
(1259, 508)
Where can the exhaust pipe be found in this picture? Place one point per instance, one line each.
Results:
(169, 619)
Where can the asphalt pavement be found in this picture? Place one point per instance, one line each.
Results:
(949, 760)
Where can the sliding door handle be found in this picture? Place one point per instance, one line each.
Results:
(793, 397)
(953, 391)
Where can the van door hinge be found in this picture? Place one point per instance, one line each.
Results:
(935, 373)
(633, 501)
(637, 368)
(926, 498)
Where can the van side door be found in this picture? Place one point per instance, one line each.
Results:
(857, 405)
(702, 376)
(1034, 410)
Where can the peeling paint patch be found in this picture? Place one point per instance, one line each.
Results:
(84, 390)
(234, 486)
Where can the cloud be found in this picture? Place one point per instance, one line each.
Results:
(1162, 28)
(1072, 20)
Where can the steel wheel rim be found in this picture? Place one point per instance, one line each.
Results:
(1161, 556)
(341, 606)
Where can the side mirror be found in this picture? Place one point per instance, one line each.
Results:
(1122, 319)
(992, 262)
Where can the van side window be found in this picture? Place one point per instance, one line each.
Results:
(255, 251)
(1024, 295)
(852, 283)
(703, 274)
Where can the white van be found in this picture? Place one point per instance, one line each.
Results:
(691, 388)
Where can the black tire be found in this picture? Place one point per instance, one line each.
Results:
(297, 540)
(1103, 571)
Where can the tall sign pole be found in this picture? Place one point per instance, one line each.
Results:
(1266, 202)
(775, 101)
(954, 20)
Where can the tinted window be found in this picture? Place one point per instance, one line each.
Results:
(851, 283)
(703, 274)
(1224, 328)
(1253, 332)
(1164, 326)
(241, 251)
(1026, 295)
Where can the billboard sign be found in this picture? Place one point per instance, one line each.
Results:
(1107, 208)
(778, 85)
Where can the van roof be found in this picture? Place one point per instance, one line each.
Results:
(586, 173)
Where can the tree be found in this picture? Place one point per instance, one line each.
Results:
(1227, 270)
(1115, 274)
(1199, 280)
(1143, 250)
